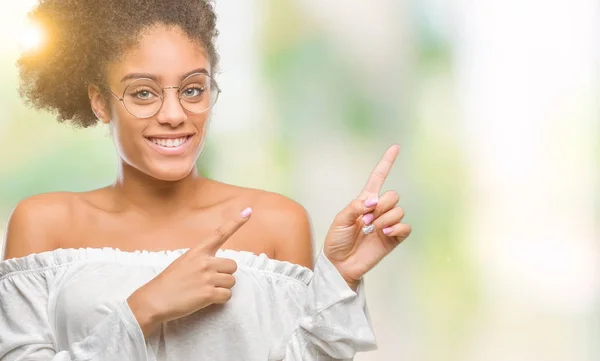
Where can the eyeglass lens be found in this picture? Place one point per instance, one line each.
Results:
(143, 98)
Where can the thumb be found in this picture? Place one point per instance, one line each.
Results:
(222, 233)
(356, 208)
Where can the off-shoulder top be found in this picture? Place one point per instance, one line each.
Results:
(70, 304)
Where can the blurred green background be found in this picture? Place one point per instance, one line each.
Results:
(495, 107)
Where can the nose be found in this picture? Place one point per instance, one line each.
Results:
(171, 112)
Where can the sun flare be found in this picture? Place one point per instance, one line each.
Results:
(32, 37)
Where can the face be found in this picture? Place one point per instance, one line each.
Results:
(167, 144)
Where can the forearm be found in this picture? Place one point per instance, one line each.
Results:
(334, 324)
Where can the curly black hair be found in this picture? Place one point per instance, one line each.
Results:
(82, 36)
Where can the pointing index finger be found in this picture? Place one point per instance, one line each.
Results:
(380, 173)
(223, 233)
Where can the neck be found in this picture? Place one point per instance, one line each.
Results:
(153, 196)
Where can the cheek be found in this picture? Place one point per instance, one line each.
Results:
(202, 126)
(125, 131)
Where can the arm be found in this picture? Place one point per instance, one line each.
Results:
(26, 331)
(324, 320)
(333, 322)
(337, 327)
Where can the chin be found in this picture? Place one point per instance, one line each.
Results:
(171, 172)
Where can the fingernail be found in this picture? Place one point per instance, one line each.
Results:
(371, 202)
(246, 212)
(368, 218)
(387, 230)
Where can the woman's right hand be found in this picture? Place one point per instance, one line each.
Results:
(193, 281)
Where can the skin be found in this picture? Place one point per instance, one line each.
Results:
(160, 202)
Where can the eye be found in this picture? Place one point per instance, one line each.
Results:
(194, 91)
(143, 94)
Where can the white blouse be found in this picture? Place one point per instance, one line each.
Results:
(70, 304)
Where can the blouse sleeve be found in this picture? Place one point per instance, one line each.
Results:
(334, 321)
(26, 333)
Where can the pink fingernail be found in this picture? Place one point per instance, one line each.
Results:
(368, 218)
(246, 212)
(371, 202)
(387, 230)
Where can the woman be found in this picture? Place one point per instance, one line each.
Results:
(166, 264)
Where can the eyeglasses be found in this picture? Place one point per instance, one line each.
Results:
(143, 98)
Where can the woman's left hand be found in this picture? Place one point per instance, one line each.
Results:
(351, 251)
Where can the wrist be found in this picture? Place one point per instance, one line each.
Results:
(145, 313)
(352, 282)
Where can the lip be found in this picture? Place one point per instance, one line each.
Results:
(169, 136)
(172, 150)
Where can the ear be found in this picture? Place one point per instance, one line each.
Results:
(98, 103)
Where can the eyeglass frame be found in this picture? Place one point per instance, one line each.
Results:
(162, 89)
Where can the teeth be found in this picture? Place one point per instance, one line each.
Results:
(169, 143)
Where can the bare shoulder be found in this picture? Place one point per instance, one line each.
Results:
(285, 224)
(279, 209)
(280, 222)
(36, 223)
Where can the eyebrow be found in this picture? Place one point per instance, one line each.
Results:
(132, 76)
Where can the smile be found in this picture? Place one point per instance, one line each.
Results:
(169, 146)
(169, 142)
